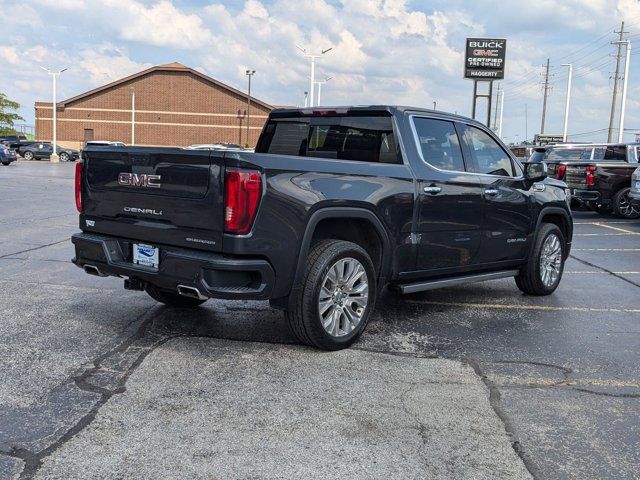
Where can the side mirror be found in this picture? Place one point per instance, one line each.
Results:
(535, 172)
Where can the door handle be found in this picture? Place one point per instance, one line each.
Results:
(491, 192)
(432, 190)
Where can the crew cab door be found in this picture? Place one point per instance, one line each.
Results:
(507, 225)
(449, 217)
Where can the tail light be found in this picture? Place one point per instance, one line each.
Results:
(6, 151)
(589, 175)
(242, 192)
(78, 186)
(562, 169)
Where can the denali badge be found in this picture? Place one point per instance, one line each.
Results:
(142, 210)
(139, 180)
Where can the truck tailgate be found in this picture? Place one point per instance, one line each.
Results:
(160, 195)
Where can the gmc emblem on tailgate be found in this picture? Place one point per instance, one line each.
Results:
(139, 180)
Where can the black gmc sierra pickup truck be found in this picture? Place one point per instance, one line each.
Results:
(334, 205)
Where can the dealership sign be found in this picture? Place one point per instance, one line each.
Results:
(485, 58)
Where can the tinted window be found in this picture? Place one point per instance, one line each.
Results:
(561, 154)
(488, 157)
(439, 143)
(359, 138)
(616, 153)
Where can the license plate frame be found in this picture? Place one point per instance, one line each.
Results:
(146, 255)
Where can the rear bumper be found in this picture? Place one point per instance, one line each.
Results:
(8, 159)
(214, 275)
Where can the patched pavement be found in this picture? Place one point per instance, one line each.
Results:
(477, 381)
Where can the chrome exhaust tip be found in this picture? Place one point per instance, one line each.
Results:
(191, 292)
(93, 270)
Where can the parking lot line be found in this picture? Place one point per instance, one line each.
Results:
(616, 228)
(605, 234)
(630, 222)
(549, 308)
(605, 249)
(604, 272)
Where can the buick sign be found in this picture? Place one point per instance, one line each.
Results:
(485, 58)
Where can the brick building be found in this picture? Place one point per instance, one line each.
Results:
(174, 105)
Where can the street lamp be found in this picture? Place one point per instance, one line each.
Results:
(54, 155)
(249, 73)
(566, 106)
(435, 105)
(306, 99)
(313, 57)
(133, 116)
(624, 87)
(319, 83)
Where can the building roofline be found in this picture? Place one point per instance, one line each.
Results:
(171, 67)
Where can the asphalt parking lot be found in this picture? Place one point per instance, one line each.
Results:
(469, 382)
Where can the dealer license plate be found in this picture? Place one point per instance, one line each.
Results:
(146, 255)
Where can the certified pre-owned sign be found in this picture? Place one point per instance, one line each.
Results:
(485, 58)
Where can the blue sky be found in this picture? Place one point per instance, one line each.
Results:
(384, 51)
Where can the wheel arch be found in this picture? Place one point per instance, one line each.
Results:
(317, 224)
(559, 217)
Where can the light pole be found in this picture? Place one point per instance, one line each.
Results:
(249, 73)
(133, 116)
(566, 106)
(319, 83)
(306, 99)
(313, 57)
(54, 155)
(624, 88)
(434, 105)
(501, 92)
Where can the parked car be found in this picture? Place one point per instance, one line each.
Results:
(335, 205)
(7, 155)
(634, 192)
(40, 150)
(600, 173)
(6, 139)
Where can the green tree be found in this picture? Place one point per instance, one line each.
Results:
(8, 114)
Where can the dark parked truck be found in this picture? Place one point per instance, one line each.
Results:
(333, 206)
(605, 186)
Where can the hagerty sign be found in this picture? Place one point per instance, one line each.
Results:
(485, 58)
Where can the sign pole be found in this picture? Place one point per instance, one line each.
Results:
(475, 99)
(489, 99)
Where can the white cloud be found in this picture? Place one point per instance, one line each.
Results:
(160, 24)
(107, 64)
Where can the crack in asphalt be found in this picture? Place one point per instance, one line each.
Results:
(33, 460)
(585, 262)
(34, 248)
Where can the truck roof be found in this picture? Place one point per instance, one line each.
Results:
(364, 108)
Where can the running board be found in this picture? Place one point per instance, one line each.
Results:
(450, 282)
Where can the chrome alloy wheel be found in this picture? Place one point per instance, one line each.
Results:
(343, 298)
(550, 260)
(625, 207)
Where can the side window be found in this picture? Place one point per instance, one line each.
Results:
(439, 143)
(618, 152)
(488, 157)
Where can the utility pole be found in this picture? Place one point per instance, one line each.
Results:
(566, 106)
(546, 93)
(306, 99)
(435, 105)
(624, 90)
(249, 73)
(133, 116)
(526, 123)
(54, 75)
(616, 78)
(312, 57)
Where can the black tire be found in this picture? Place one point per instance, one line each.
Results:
(598, 208)
(530, 280)
(622, 206)
(6, 163)
(64, 157)
(303, 314)
(28, 155)
(172, 299)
